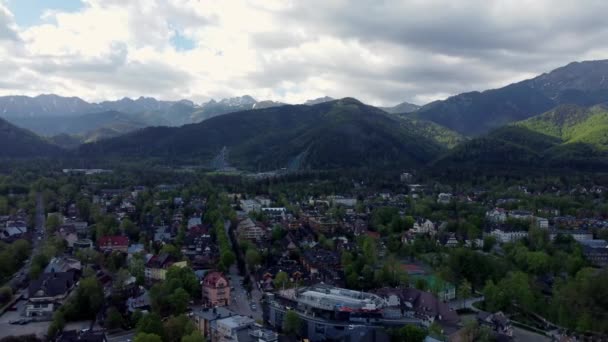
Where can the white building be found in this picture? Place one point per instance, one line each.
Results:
(250, 205)
(542, 223)
(508, 236)
(247, 229)
(444, 198)
(424, 227)
(496, 215)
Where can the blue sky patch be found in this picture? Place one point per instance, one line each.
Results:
(181, 42)
(29, 12)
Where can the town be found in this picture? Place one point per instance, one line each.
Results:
(98, 256)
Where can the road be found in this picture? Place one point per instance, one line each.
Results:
(122, 336)
(468, 303)
(241, 304)
(20, 276)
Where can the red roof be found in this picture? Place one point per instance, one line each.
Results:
(111, 241)
(212, 278)
(373, 235)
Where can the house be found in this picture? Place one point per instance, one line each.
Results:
(444, 198)
(81, 227)
(497, 215)
(157, 266)
(344, 201)
(410, 302)
(46, 292)
(216, 289)
(83, 244)
(250, 206)
(247, 229)
(508, 236)
(139, 302)
(113, 243)
(203, 318)
(498, 323)
(424, 227)
(596, 256)
(578, 234)
(231, 329)
(542, 223)
(194, 221)
(68, 234)
(520, 215)
(406, 177)
(63, 264)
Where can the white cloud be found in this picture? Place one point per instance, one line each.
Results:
(380, 52)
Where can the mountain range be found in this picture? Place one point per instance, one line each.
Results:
(556, 119)
(18, 143)
(334, 134)
(476, 113)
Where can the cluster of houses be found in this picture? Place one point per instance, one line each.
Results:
(13, 227)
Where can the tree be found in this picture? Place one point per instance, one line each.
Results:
(177, 327)
(52, 223)
(3, 206)
(171, 250)
(281, 280)
(87, 301)
(464, 291)
(150, 324)
(129, 228)
(410, 333)
(227, 259)
(194, 337)
(292, 323)
(143, 337)
(57, 324)
(488, 243)
(114, 318)
(179, 301)
(253, 258)
(6, 294)
(137, 268)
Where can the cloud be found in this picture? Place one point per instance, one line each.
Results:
(382, 52)
(8, 29)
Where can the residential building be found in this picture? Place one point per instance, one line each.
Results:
(113, 243)
(444, 198)
(542, 223)
(247, 229)
(250, 205)
(497, 215)
(578, 234)
(424, 227)
(508, 236)
(157, 266)
(46, 293)
(216, 289)
(520, 215)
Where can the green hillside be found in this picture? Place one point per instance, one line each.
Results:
(567, 136)
(336, 134)
(573, 124)
(16, 142)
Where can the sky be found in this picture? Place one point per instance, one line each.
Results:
(379, 51)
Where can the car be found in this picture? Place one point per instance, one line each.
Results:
(253, 306)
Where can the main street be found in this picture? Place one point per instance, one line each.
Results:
(37, 235)
(240, 302)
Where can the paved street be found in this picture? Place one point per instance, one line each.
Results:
(240, 303)
(122, 336)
